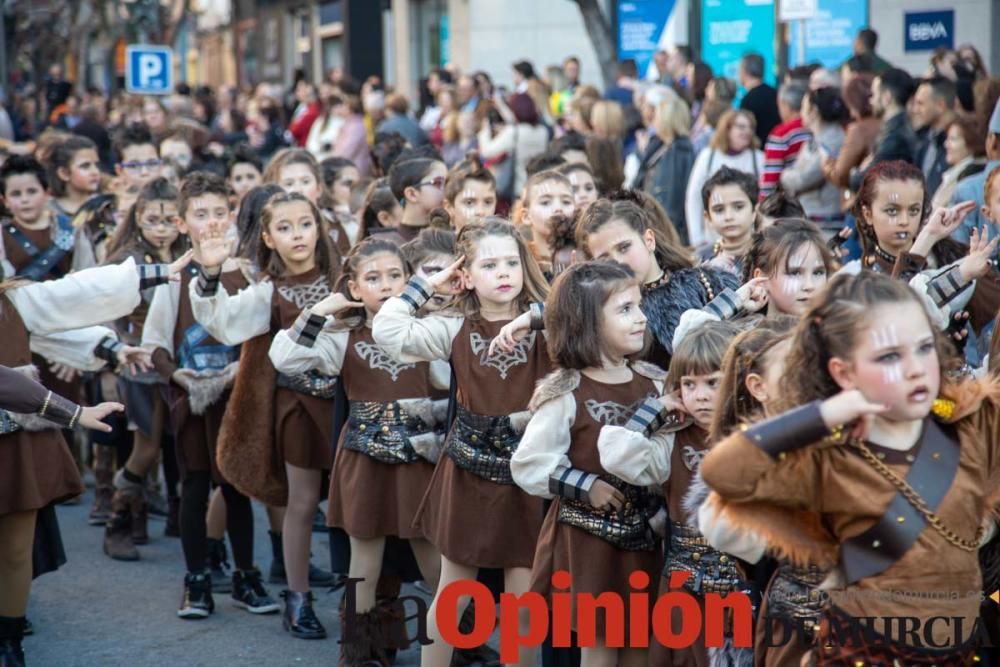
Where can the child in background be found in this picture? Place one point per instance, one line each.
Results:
(138, 159)
(730, 201)
(548, 210)
(380, 212)
(470, 192)
(341, 177)
(244, 172)
(581, 179)
(74, 176)
(418, 185)
(296, 170)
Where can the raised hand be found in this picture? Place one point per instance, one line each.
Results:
(672, 402)
(334, 303)
(176, 267)
(753, 294)
(511, 334)
(944, 221)
(447, 277)
(981, 250)
(214, 247)
(850, 408)
(135, 359)
(93, 417)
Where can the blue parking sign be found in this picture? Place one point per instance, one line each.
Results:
(149, 70)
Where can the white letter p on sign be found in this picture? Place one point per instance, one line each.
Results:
(150, 68)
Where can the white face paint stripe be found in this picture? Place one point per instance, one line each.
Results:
(574, 179)
(716, 198)
(792, 284)
(468, 213)
(468, 194)
(892, 374)
(894, 197)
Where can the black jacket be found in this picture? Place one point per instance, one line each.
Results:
(666, 177)
(934, 174)
(895, 141)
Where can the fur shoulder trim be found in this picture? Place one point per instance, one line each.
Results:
(969, 395)
(648, 370)
(794, 535)
(696, 495)
(557, 383)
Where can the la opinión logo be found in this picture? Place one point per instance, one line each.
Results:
(710, 616)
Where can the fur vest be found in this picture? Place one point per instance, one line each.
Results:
(664, 305)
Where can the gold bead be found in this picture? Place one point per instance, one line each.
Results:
(385, 429)
(936, 456)
(723, 559)
(876, 544)
(696, 556)
(363, 427)
(900, 519)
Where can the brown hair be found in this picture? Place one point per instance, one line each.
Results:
(773, 247)
(605, 158)
(972, 133)
(290, 156)
(535, 286)
(747, 354)
(363, 250)
(858, 95)
(658, 218)
(607, 117)
(573, 311)
(891, 170)
(830, 328)
(327, 258)
(670, 257)
(701, 352)
(543, 177)
(378, 198)
(128, 235)
(720, 140)
(430, 241)
(469, 169)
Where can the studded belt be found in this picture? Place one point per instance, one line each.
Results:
(482, 445)
(794, 596)
(311, 383)
(711, 570)
(627, 529)
(382, 431)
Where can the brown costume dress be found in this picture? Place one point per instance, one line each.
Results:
(472, 520)
(595, 564)
(303, 424)
(810, 499)
(36, 466)
(369, 498)
(195, 435)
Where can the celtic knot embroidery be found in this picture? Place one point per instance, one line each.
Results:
(502, 361)
(611, 413)
(304, 296)
(378, 359)
(64, 239)
(692, 457)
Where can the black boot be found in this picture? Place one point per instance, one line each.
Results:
(197, 601)
(11, 634)
(477, 655)
(299, 618)
(218, 564)
(367, 645)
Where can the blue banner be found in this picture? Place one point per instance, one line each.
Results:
(732, 28)
(829, 36)
(642, 26)
(926, 31)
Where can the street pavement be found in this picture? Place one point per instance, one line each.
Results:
(96, 612)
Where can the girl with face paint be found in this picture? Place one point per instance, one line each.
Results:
(843, 478)
(899, 237)
(470, 192)
(387, 449)
(472, 511)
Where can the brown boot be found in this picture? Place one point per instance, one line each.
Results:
(118, 542)
(140, 517)
(104, 472)
(366, 645)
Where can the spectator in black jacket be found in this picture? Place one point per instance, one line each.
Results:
(933, 111)
(761, 99)
(891, 91)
